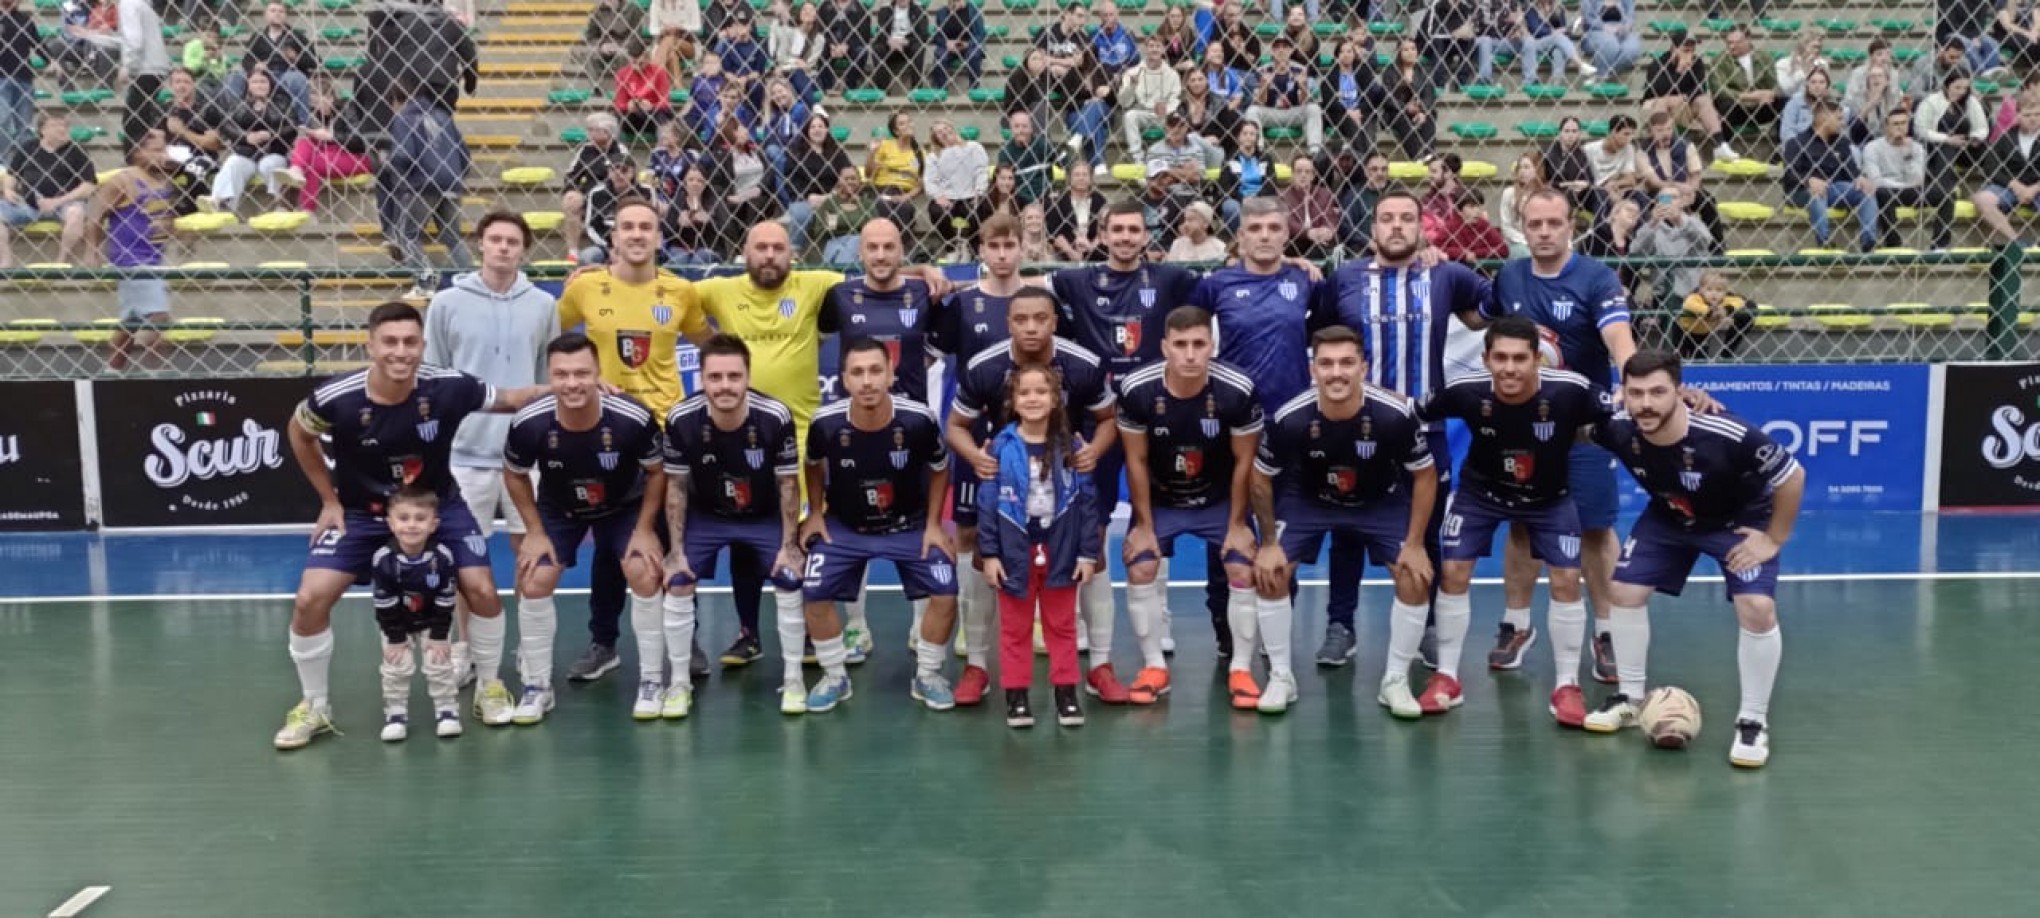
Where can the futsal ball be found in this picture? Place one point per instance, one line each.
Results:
(1670, 717)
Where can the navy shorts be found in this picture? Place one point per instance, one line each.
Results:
(1206, 523)
(835, 569)
(963, 493)
(1590, 476)
(1302, 526)
(1661, 553)
(353, 549)
(1471, 521)
(612, 534)
(707, 535)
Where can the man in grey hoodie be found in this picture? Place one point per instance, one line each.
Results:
(493, 324)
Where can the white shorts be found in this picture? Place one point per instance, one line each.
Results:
(488, 497)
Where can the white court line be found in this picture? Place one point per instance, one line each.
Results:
(79, 902)
(1899, 577)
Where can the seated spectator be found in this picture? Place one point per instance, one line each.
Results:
(191, 129)
(1565, 164)
(1451, 36)
(1671, 232)
(1313, 212)
(779, 126)
(1161, 209)
(2008, 109)
(1495, 27)
(284, 51)
(1085, 85)
(1617, 172)
(1349, 95)
(1950, 124)
(1670, 163)
(1248, 172)
(600, 217)
(1713, 321)
(1028, 88)
(1238, 48)
(1187, 153)
(674, 25)
(1282, 97)
(898, 30)
(1808, 56)
(1525, 179)
(744, 61)
(1821, 172)
(1442, 189)
(1224, 88)
(1612, 40)
(1076, 220)
(811, 170)
(718, 15)
(1877, 56)
(1897, 166)
(895, 164)
(203, 57)
(1029, 155)
(1303, 41)
(1206, 118)
(1148, 94)
(86, 45)
(51, 179)
(1612, 237)
(841, 217)
(1034, 244)
(1357, 200)
(672, 155)
(259, 137)
(1744, 82)
(1409, 111)
(737, 171)
(318, 156)
(959, 43)
(2018, 34)
(795, 44)
(1544, 35)
(1798, 116)
(695, 222)
(729, 104)
(1677, 84)
(589, 168)
(704, 95)
(606, 39)
(1001, 199)
(643, 96)
(957, 175)
(424, 176)
(845, 36)
(1179, 40)
(1469, 236)
(1112, 44)
(1194, 243)
(1870, 101)
(2012, 174)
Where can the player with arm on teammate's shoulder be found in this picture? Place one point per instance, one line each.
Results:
(732, 481)
(600, 470)
(1718, 487)
(414, 583)
(1345, 456)
(1524, 419)
(389, 425)
(875, 464)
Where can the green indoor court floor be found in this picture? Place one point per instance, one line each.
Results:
(134, 753)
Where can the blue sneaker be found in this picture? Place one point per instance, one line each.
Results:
(933, 691)
(827, 693)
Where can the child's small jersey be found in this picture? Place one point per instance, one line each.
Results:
(414, 592)
(586, 474)
(1189, 440)
(733, 474)
(876, 481)
(1519, 455)
(1349, 462)
(1720, 475)
(379, 448)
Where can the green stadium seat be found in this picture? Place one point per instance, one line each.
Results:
(1268, 28)
(574, 135)
(1035, 30)
(969, 132)
(1909, 54)
(987, 94)
(1329, 29)
(568, 96)
(1660, 28)
(1384, 28)
(1538, 129)
(1010, 61)
(85, 133)
(1472, 130)
(1544, 90)
(1779, 27)
(1284, 133)
(1608, 90)
(1596, 128)
(1836, 26)
(1892, 25)
(1483, 91)
(864, 95)
(841, 133)
(1718, 25)
(341, 62)
(338, 33)
(336, 5)
(679, 96)
(998, 31)
(232, 30)
(1130, 6)
(1846, 55)
(1152, 134)
(928, 95)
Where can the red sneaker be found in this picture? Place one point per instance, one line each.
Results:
(1440, 694)
(1246, 696)
(970, 688)
(1102, 683)
(1149, 685)
(1568, 706)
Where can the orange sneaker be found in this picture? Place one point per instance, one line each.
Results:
(1103, 684)
(1568, 706)
(1440, 694)
(1149, 685)
(1246, 696)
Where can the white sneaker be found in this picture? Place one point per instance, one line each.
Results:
(793, 698)
(532, 708)
(1752, 746)
(679, 699)
(493, 704)
(1586, 69)
(1726, 153)
(463, 665)
(1615, 714)
(1396, 697)
(1101, 170)
(395, 727)
(1278, 694)
(650, 701)
(856, 646)
(302, 725)
(446, 723)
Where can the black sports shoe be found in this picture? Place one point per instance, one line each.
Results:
(1067, 711)
(1604, 660)
(697, 663)
(1339, 646)
(807, 652)
(743, 651)
(1019, 712)
(1511, 643)
(1427, 648)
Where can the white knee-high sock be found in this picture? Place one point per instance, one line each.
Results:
(977, 606)
(677, 633)
(830, 652)
(1405, 636)
(396, 679)
(1518, 617)
(1275, 617)
(928, 656)
(537, 622)
(792, 616)
(485, 642)
(920, 607)
(1245, 621)
(1629, 631)
(1096, 599)
(1567, 622)
(1455, 613)
(648, 626)
(1146, 604)
(313, 655)
(442, 681)
(1756, 659)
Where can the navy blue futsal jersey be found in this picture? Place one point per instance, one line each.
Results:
(1118, 315)
(1402, 315)
(1189, 440)
(414, 592)
(968, 321)
(1719, 475)
(1518, 455)
(379, 448)
(1262, 327)
(1572, 306)
(876, 481)
(900, 319)
(585, 474)
(981, 388)
(1346, 463)
(733, 474)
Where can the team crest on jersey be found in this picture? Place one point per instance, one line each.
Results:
(1129, 330)
(552, 439)
(942, 571)
(1691, 479)
(738, 491)
(591, 492)
(476, 544)
(367, 417)
(607, 460)
(899, 454)
(662, 313)
(1561, 309)
(1569, 545)
(755, 457)
(1543, 430)
(1287, 289)
(1747, 574)
(633, 347)
(1523, 463)
(432, 580)
(1190, 462)
(1365, 448)
(1345, 480)
(407, 468)
(428, 426)
(787, 307)
(880, 494)
(908, 315)
(1209, 426)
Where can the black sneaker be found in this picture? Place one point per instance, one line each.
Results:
(1604, 660)
(1427, 648)
(1339, 646)
(1067, 711)
(743, 651)
(1511, 643)
(594, 663)
(807, 652)
(1019, 712)
(697, 663)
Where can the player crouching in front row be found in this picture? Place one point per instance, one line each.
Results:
(415, 580)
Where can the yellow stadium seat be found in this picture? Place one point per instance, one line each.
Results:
(1477, 169)
(279, 221)
(1822, 253)
(1408, 170)
(283, 265)
(1741, 167)
(48, 266)
(1745, 211)
(333, 336)
(1130, 173)
(1767, 317)
(194, 329)
(42, 228)
(543, 221)
(25, 331)
(1968, 250)
(102, 333)
(204, 265)
(1897, 250)
(1750, 253)
(529, 175)
(356, 181)
(104, 176)
(1919, 316)
(1838, 315)
(205, 223)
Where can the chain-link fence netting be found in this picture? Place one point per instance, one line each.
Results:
(319, 137)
